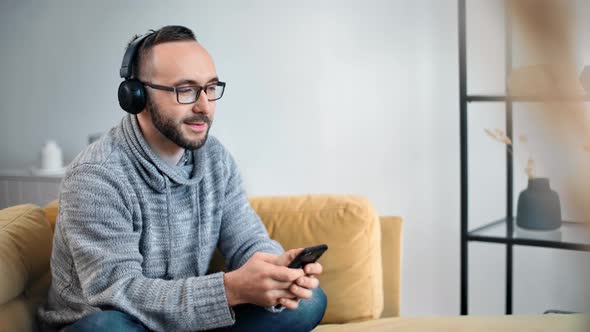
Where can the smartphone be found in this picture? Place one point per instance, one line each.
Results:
(308, 255)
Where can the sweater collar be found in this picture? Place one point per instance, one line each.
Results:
(151, 166)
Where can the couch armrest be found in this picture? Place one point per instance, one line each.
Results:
(391, 240)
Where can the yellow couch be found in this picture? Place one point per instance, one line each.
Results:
(361, 277)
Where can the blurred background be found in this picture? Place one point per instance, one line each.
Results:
(334, 96)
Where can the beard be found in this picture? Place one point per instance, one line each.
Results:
(173, 130)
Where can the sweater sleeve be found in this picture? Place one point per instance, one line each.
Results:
(100, 235)
(242, 232)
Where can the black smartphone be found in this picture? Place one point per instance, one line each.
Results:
(308, 255)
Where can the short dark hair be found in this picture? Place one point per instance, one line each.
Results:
(165, 34)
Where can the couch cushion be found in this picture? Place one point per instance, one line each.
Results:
(352, 277)
(51, 211)
(17, 315)
(25, 248)
(515, 323)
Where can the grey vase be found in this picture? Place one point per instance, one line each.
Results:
(538, 206)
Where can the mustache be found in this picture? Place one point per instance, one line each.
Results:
(198, 118)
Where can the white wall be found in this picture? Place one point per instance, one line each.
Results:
(323, 97)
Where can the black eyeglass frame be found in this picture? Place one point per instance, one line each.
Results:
(175, 90)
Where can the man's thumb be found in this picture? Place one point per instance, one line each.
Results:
(288, 256)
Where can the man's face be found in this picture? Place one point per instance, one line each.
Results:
(180, 64)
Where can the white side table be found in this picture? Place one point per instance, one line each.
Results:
(21, 187)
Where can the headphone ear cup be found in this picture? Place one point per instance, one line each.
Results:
(132, 96)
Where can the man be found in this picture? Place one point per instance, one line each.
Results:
(143, 209)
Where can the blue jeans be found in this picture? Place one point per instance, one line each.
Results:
(249, 317)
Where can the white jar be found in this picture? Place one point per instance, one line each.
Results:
(51, 156)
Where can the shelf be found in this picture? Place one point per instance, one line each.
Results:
(529, 99)
(571, 235)
(27, 175)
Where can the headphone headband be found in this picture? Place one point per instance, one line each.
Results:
(127, 66)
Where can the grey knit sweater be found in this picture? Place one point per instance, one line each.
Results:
(137, 235)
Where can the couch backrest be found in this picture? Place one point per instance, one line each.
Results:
(25, 248)
(362, 267)
(391, 245)
(353, 273)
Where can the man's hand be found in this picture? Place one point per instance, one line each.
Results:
(262, 281)
(301, 288)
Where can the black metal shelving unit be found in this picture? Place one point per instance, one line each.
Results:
(503, 231)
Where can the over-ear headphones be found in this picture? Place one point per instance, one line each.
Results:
(132, 96)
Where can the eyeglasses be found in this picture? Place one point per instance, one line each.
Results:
(189, 94)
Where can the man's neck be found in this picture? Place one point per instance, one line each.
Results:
(166, 149)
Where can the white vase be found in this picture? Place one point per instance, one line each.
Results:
(51, 156)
